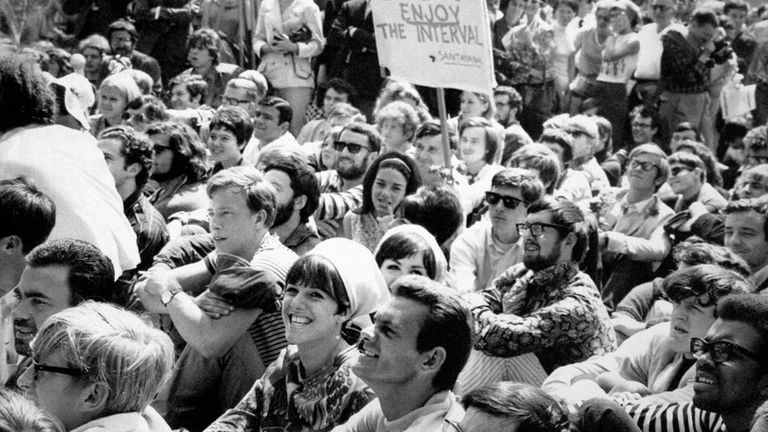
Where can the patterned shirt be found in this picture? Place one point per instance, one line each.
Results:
(531, 49)
(681, 70)
(284, 398)
(556, 313)
(149, 226)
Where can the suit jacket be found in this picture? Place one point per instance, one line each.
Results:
(356, 61)
(642, 236)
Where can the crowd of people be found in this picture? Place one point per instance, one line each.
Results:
(194, 239)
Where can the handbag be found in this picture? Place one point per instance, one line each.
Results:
(301, 34)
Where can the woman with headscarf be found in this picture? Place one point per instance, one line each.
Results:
(410, 249)
(311, 385)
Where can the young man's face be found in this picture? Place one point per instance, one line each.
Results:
(181, 99)
(751, 186)
(42, 292)
(745, 236)
(429, 153)
(683, 180)
(388, 354)
(690, 318)
(121, 43)
(642, 171)
(224, 147)
(232, 222)
(545, 250)
(332, 97)
(737, 382)
(162, 154)
(200, 57)
(642, 130)
(239, 97)
(503, 218)
(503, 109)
(285, 195)
(738, 17)
(353, 165)
(112, 148)
(266, 124)
(92, 59)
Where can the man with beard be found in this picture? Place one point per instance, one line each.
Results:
(178, 169)
(122, 36)
(59, 274)
(358, 145)
(545, 306)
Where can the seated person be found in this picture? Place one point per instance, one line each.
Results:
(321, 155)
(178, 170)
(326, 289)
(540, 160)
(203, 55)
(397, 123)
(436, 208)
(410, 249)
(337, 91)
(572, 185)
(98, 367)
(655, 364)
(411, 358)
(586, 135)
(188, 92)
(230, 130)
(489, 247)
(688, 181)
(229, 345)
(633, 241)
(143, 111)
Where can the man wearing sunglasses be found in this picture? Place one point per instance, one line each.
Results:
(545, 306)
(632, 241)
(731, 375)
(489, 247)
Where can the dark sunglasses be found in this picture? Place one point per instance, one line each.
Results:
(509, 202)
(677, 170)
(352, 147)
(720, 351)
(37, 367)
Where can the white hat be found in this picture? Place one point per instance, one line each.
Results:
(78, 96)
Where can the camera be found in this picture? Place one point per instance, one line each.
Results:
(722, 53)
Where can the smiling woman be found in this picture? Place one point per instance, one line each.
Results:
(332, 285)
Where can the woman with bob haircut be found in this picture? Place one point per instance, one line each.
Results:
(410, 249)
(114, 95)
(311, 385)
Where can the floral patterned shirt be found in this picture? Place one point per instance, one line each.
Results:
(556, 313)
(531, 48)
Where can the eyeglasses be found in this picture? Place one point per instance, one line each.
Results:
(720, 351)
(674, 171)
(37, 367)
(232, 101)
(644, 166)
(509, 202)
(537, 228)
(352, 147)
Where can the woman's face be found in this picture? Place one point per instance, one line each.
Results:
(472, 106)
(394, 268)
(328, 155)
(388, 191)
(564, 14)
(472, 145)
(310, 316)
(112, 103)
(393, 134)
(619, 20)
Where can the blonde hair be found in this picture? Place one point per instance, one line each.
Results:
(111, 346)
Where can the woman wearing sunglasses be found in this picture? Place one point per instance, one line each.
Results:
(389, 179)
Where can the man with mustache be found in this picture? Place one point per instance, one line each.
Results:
(545, 306)
(122, 36)
(59, 274)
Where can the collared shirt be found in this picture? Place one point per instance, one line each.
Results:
(149, 226)
(681, 70)
(253, 148)
(302, 239)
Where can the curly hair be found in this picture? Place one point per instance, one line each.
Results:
(136, 148)
(25, 97)
(189, 156)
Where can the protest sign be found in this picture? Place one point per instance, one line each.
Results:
(435, 43)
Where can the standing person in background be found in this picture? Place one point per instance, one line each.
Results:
(288, 34)
(589, 45)
(648, 69)
(204, 46)
(123, 39)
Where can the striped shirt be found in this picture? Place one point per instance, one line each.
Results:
(335, 202)
(675, 417)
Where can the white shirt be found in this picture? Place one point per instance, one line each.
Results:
(649, 56)
(254, 146)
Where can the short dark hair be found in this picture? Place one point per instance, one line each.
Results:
(320, 273)
(491, 136)
(136, 148)
(735, 4)
(404, 244)
(123, 25)
(189, 154)
(259, 194)
(695, 250)
(400, 163)
(747, 205)
(649, 113)
(25, 211)
(688, 127)
(573, 4)
(531, 408)
(432, 128)
(703, 16)
(235, 120)
(195, 85)
(704, 279)
(530, 186)
(515, 100)
(750, 309)
(561, 138)
(90, 274)
(284, 111)
(690, 161)
(448, 324)
(567, 214)
(303, 180)
(340, 86)
(374, 138)
(25, 97)
(541, 158)
(435, 207)
(208, 39)
(154, 108)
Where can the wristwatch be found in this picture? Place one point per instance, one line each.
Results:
(167, 296)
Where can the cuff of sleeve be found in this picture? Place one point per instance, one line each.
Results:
(257, 45)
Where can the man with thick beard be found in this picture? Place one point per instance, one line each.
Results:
(358, 144)
(546, 306)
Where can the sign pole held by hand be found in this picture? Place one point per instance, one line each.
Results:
(444, 127)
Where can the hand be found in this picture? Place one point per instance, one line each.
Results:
(213, 305)
(327, 228)
(284, 45)
(626, 325)
(631, 387)
(158, 282)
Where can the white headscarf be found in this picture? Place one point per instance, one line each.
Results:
(441, 265)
